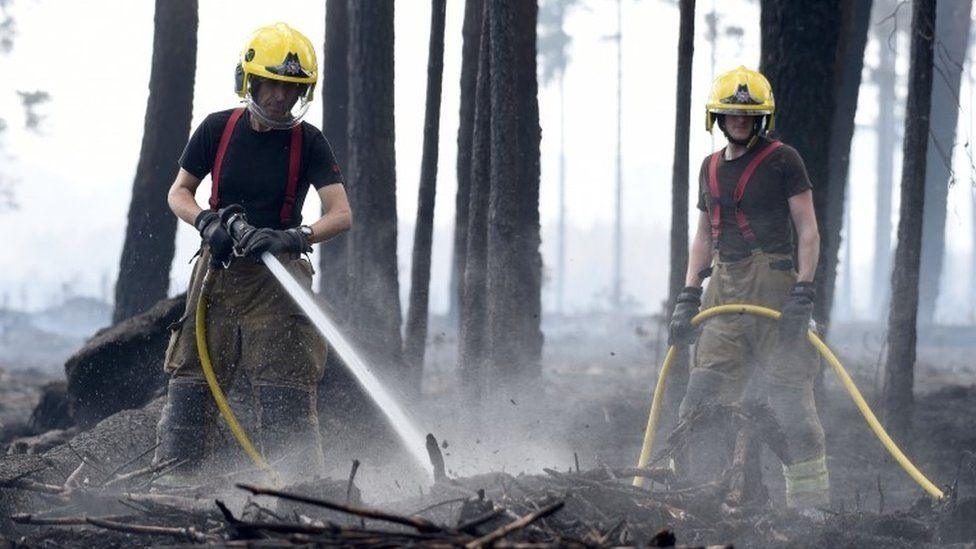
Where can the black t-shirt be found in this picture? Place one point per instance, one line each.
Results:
(254, 172)
(765, 202)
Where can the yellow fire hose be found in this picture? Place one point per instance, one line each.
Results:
(825, 351)
(218, 394)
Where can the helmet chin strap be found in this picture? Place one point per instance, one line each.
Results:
(754, 134)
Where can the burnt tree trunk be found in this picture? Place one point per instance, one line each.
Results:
(472, 341)
(679, 202)
(885, 78)
(374, 290)
(416, 330)
(334, 254)
(514, 263)
(147, 253)
(799, 48)
(902, 315)
(855, 19)
(952, 24)
(471, 32)
(679, 166)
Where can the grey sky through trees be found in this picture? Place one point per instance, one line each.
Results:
(77, 173)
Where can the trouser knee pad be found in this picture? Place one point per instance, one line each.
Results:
(290, 429)
(709, 435)
(796, 414)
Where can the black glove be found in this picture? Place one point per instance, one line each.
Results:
(794, 320)
(263, 240)
(681, 332)
(215, 236)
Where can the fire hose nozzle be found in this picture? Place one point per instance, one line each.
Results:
(233, 219)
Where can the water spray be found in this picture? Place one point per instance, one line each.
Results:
(237, 225)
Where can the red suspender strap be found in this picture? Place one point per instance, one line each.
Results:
(715, 212)
(219, 159)
(740, 188)
(294, 163)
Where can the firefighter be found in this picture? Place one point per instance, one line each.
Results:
(263, 157)
(754, 196)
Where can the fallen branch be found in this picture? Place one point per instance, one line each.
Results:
(422, 525)
(27, 518)
(189, 533)
(516, 525)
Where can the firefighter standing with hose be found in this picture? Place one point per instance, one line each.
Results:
(264, 158)
(753, 194)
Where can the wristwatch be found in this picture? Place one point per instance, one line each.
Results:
(307, 232)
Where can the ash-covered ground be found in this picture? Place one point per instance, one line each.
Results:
(562, 448)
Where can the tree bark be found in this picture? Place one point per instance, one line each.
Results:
(374, 289)
(902, 316)
(679, 167)
(471, 32)
(952, 30)
(472, 339)
(416, 330)
(147, 253)
(799, 49)
(855, 18)
(885, 78)
(334, 254)
(514, 264)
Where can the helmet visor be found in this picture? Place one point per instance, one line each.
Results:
(278, 105)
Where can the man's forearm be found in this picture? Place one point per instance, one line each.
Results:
(329, 225)
(183, 204)
(699, 258)
(808, 255)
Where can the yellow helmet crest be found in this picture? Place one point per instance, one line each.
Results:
(740, 91)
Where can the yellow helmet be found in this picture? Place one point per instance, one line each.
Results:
(740, 91)
(278, 52)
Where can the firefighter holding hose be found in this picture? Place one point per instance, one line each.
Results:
(264, 158)
(756, 215)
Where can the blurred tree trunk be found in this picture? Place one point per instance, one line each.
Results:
(374, 308)
(416, 330)
(799, 51)
(680, 184)
(900, 366)
(855, 19)
(514, 262)
(147, 253)
(333, 255)
(471, 32)
(472, 343)
(952, 31)
(885, 78)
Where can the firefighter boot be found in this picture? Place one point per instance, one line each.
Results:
(181, 431)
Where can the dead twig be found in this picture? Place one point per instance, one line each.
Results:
(469, 526)
(140, 472)
(352, 477)
(436, 458)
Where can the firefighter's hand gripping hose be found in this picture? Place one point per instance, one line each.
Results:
(835, 364)
(225, 411)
